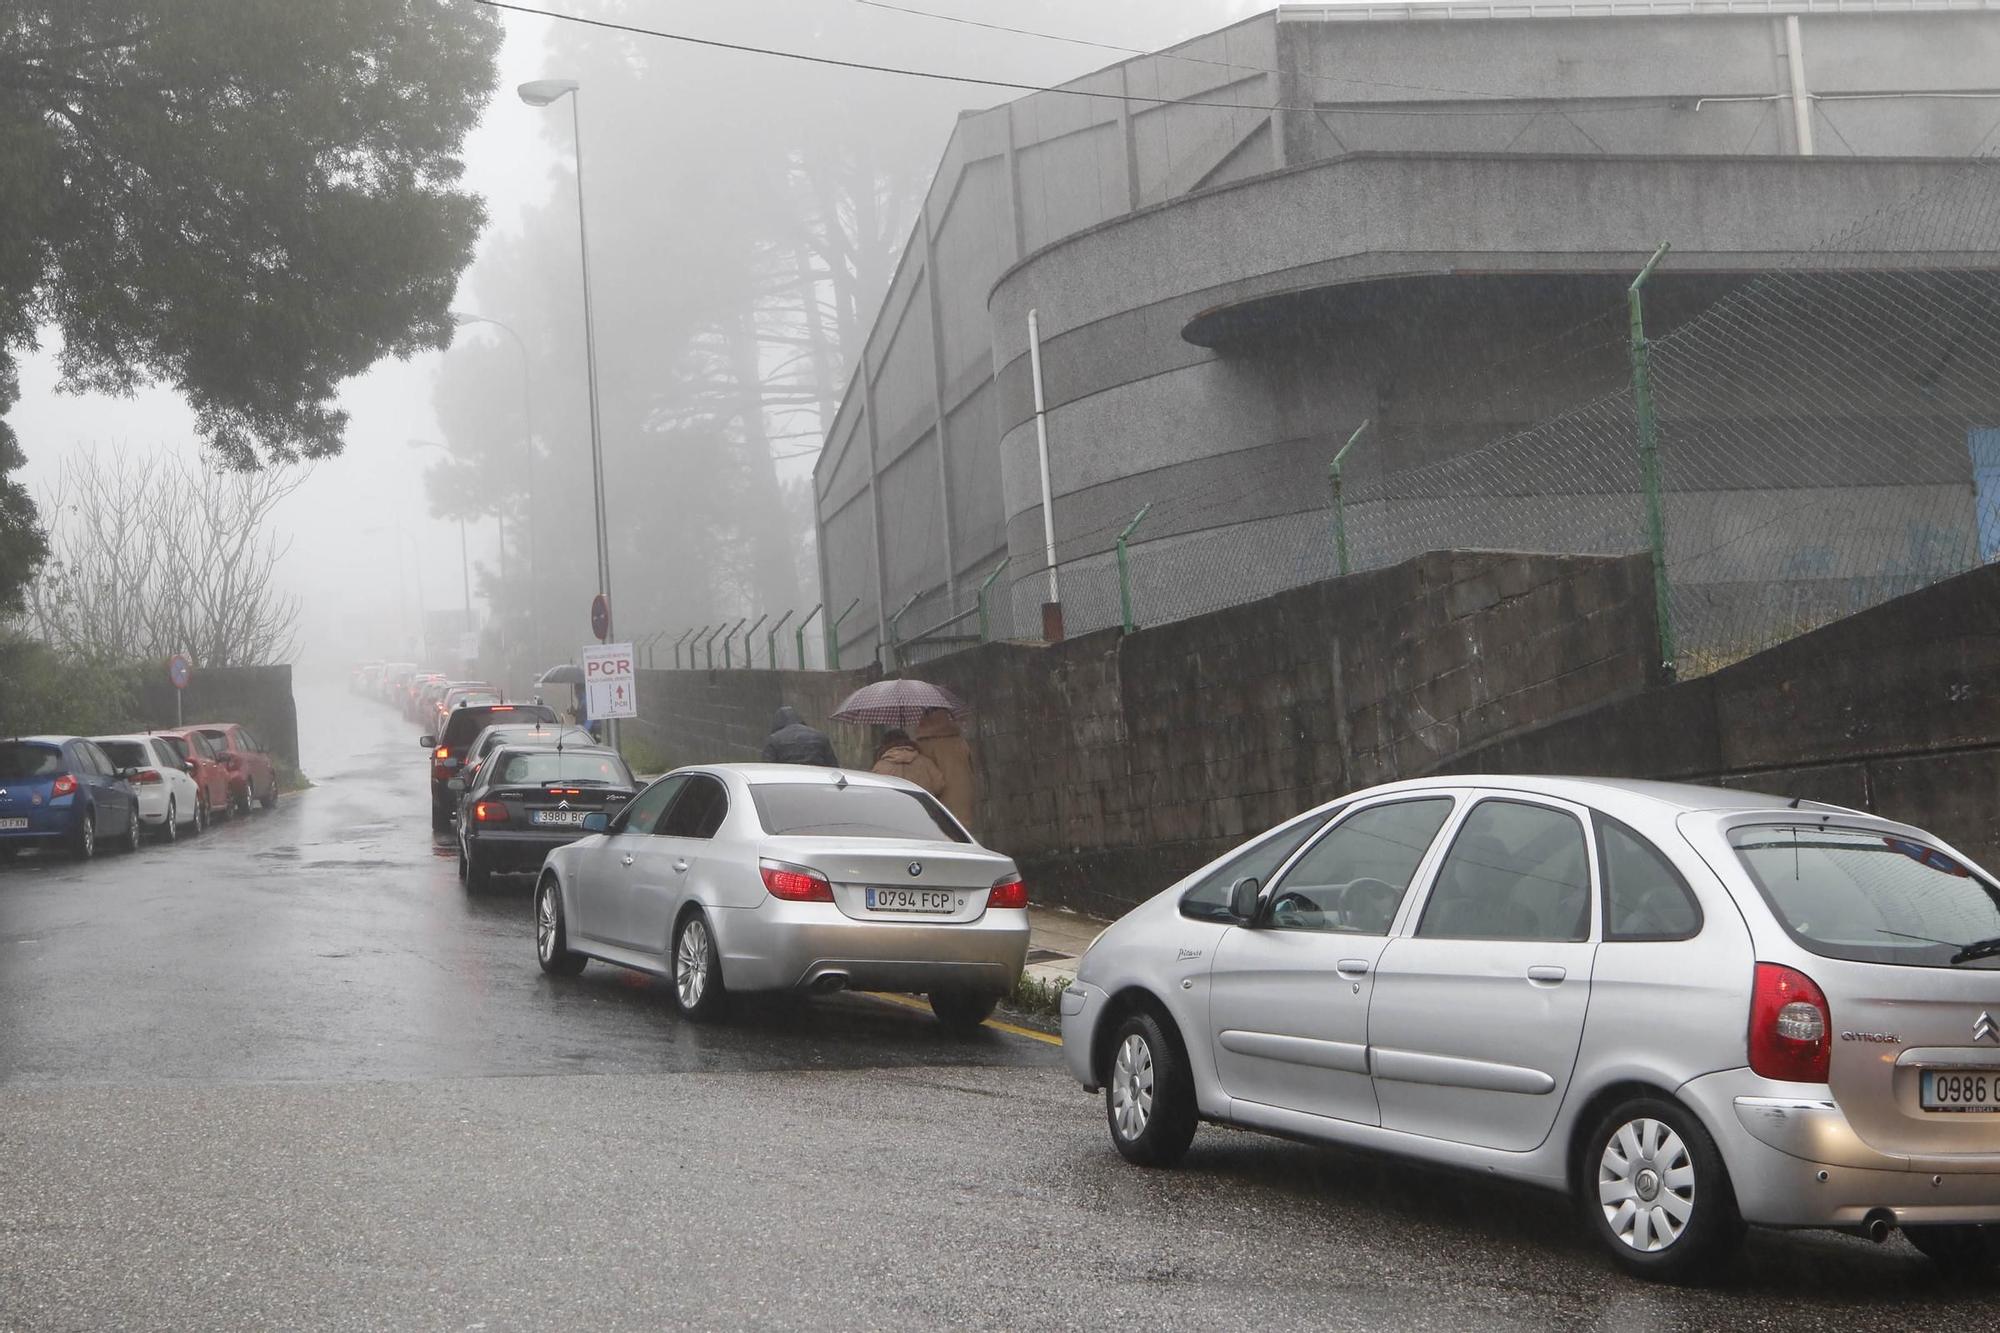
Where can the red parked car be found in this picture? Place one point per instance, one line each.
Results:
(204, 764)
(251, 775)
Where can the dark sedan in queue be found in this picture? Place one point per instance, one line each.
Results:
(523, 802)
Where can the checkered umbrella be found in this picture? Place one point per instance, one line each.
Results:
(897, 703)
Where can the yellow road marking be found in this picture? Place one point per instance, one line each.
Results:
(912, 1002)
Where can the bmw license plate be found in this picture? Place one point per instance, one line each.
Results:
(559, 818)
(1960, 1090)
(13, 823)
(909, 900)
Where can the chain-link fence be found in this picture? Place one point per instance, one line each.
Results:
(1828, 438)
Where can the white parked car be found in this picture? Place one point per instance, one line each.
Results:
(1689, 1008)
(762, 877)
(169, 800)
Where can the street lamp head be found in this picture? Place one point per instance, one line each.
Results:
(460, 317)
(541, 92)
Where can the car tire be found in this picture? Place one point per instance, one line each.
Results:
(171, 830)
(135, 835)
(1963, 1250)
(1149, 1094)
(240, 805)
(1649, 1167)
(85, 845)
(697, 969)
(440, 818)
(201, 817)
(270, 797)
(461, 860)
(961, 1012)
(552, 933)
(478, 875)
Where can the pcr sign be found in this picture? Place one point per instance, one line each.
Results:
(610, 681)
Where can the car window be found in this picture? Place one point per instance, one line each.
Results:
(647, 806)
(698, 812)
(178, 747)
(1869, 896)
(1208, 899)
(246, 740)
(164, 753)
(1645, 898)
(126, 754)
(1515, 871)
(218, 739)
(852, 810)
(25, 759)
(1352, 880)
(583, 767)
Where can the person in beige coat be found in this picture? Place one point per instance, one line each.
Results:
(941, 742)
(899, 757)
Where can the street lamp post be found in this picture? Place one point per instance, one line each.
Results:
(528, 451)
(540, 93)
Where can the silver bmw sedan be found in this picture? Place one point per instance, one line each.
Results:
(1689, 1008)
(762, 877)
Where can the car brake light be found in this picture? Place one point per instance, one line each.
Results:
(1790, 1026)
(442, 752)
(490, 812)
(64, 786)
(147, 776)
(795, 884)
(1009, 892)
(563, 791)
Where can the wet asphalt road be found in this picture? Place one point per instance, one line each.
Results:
(289, 1075)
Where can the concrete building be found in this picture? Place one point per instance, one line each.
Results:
(1425, 216)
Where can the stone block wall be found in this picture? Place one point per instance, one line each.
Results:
(1112, 764)
(259, 698)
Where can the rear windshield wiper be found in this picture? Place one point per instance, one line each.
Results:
(1977, 950)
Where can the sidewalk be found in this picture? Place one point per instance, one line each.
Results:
(1056, 942)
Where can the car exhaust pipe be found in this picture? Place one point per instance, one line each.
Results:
(1878, 1224)
(826, 983)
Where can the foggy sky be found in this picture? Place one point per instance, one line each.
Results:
(343, 525)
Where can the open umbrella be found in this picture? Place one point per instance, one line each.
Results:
(567, 673)
(897, 703)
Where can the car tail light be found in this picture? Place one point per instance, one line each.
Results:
(1009, 892)
(147, 776)
(1791, 1029)
(64, 786)
(795, 884)
(564, 791)
(442, 752)
(490, 812)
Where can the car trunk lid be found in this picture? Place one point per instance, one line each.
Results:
(905, 880)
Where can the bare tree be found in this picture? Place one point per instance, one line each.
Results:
(153, 555)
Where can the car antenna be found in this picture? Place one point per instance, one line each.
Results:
(1795, 801)
(839, 780)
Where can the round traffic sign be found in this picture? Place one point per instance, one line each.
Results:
(179, 669)
(600, 617)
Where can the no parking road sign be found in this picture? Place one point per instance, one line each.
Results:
(610, 681)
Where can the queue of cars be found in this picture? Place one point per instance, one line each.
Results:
(80, 794)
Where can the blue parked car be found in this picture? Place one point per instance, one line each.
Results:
(63, 791)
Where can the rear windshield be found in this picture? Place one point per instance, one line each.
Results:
(1866, 896)
(178, 747)
(467, 723)
(853, 811)
(127, 754)
(595, 768)
(19, 759)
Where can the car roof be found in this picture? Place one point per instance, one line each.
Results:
(47, 740)
(755, 774)
(1681, 796)
(125, 736)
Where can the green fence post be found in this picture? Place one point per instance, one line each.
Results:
(708, 645)
(985, 635)
(833, 636)
(1124, 570)
(896, 629)
(728, 640)
(750, 642)
(1649, 458)
(771, 637)
(677, 648)
(802, 632)
(1340, 497)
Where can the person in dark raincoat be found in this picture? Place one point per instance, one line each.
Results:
(793, 742)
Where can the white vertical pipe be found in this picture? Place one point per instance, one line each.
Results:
(1795, 60)
(1042, 447)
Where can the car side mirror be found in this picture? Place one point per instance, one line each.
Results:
(456, 784)
(1243, 898)
(427, 741)
(124, 774)
(596, 822)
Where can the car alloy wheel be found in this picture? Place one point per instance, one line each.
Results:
(173, 821)
(201, 814)
(1132, 1088)
(133, 834)
(86, 837)
(545, 923)
(551, 938)
(691, 963)
(1646, 1185)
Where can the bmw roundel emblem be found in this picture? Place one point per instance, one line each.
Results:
(916, 868)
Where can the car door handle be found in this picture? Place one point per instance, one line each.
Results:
(680, 867)
(1545, 975)
(625, 860)
(1352, 967)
